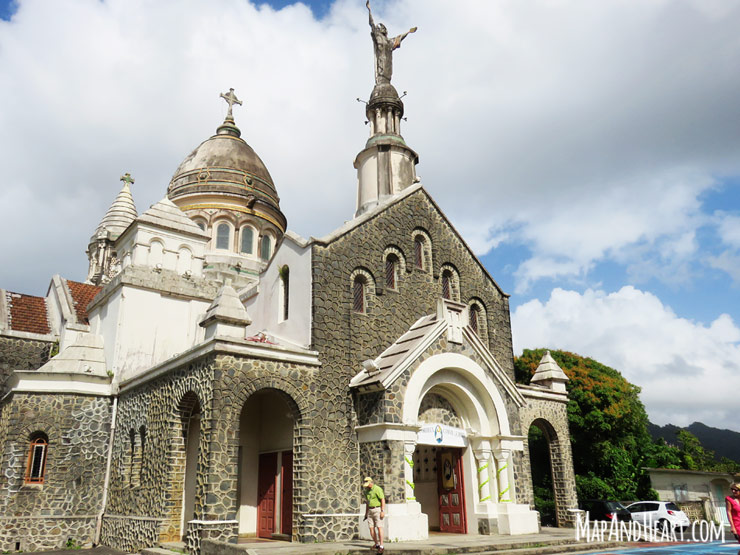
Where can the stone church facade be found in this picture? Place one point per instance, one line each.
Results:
(217, 376)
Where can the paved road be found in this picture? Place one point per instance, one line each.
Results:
(713, 548)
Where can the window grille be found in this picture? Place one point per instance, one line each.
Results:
(446, 284)
(223, 236)
(36, 466)
(390, 271)
(474, 315)
(419, 252)
(358, 294)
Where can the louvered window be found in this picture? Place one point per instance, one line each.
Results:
(36, 466)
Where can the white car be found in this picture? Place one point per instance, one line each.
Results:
(660, 514)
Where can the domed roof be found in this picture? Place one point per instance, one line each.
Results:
(120, 214)
(224, 172)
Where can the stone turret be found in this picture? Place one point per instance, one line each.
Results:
(387, 165)
(103, 260)
(550, 375)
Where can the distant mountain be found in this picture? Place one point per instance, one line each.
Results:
(724, 443)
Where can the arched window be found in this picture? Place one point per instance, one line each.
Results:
(201, 224)
(36, 465)
(285, 279)
(419, 251)
(446, 278)
(265, 248)
(223, 236)
(132, 457)
(247, 244)
(391, 271)
(474, 317)
(358, 294)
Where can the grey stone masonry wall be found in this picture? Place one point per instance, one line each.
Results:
(17, 353)
(552, 418)
(45, 516)
(145, 500)
(345, 338)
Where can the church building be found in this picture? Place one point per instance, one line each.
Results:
(219, 377)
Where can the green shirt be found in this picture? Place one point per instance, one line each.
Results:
(373, 496)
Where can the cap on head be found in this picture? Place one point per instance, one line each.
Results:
(368, 481)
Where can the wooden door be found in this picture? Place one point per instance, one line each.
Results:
(451, 491)
(266, 495)
(286, 495)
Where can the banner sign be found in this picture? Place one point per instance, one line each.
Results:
(439, 434)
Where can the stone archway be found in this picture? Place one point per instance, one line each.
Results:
(540, 437)
(268, 424)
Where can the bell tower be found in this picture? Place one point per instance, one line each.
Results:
(387, 165)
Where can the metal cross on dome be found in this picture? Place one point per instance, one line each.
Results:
(231, 99)
(126, 178)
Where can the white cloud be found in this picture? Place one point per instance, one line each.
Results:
(687, 371)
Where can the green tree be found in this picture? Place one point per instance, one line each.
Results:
(608, 426)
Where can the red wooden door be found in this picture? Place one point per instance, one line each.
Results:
(286, 495)
(451, 492)
(266, 495)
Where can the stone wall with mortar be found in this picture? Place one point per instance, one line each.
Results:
(552, 418)
(436, 409)
(18, 353)
(145, 502)
(222, 384)
(46, 516)
(345, 338)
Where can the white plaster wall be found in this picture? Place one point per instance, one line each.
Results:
(401, 165)
(265, 309)
(698, 486)
(142, 328)
(367, 175)
(135, 246)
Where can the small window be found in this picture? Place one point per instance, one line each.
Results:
(201, 225)
(265, 248)
(247, 244)
(223, 236)
(391, 271)
(474, 317)
(419, 252)
(285, 278)
(36, 466)
(446, 277)
(358, 294)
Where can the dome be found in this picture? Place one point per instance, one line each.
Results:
(225, 173)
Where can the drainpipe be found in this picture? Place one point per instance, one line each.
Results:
(99, 523)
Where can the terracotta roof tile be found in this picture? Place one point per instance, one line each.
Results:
(82, 295)
(27, 313)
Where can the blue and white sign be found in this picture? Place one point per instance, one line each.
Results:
(439, 434)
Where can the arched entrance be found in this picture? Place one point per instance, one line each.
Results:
(465, 442)
(538, 441)
(190, 414)
(265, 462)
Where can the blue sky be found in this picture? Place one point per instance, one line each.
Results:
(587, 151)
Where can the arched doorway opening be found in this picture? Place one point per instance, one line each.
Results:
(190, 413)
(538, 441)
(265, 463)
(439, 476)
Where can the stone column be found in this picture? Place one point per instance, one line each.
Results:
(502, 474)
(482, 458)
(379, 127)
(408, 454)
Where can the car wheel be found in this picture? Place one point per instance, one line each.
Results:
(663, 525)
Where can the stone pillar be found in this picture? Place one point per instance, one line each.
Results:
(502, 475)
(408, 453)
(482, 458)
(379, 127)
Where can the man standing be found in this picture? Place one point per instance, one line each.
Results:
(375, 509)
